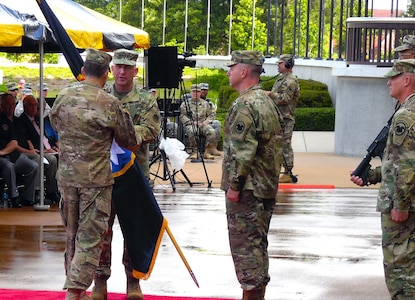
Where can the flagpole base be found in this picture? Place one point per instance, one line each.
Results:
(39, 207)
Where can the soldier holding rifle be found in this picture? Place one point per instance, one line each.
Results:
(396, 197)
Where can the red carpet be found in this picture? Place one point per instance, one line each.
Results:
(6, 294)
(292, 186)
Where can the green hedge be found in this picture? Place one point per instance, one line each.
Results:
(314, 119)
(312, 93)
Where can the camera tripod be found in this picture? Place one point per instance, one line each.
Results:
(159, 154)
(195, 130)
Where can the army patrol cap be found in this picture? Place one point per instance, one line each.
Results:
(284, 58)
(246, 57)
(12, 86)
(26, 92)
(97, 56)
(125, 57)
(45, 86)
(408, 43)
(195, 87)
(204, 86)
(402, 66)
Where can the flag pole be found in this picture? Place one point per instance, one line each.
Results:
(181, 254)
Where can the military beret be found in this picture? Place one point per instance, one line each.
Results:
(408, 43)
(12, 86)
(97, 56)
(195, 87)
(246, 57)
(402, 66)
(125, 57)
(204, 86)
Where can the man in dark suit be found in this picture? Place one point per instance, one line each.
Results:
(29, 143)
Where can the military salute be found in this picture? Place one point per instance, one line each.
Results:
(252, 150)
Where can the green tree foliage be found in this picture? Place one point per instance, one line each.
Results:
(411, 9)
(242, 27)
(294, 20)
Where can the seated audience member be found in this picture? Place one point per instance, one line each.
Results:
(19, 107)
(13, 89)
(204, 87)
(14, 165)
(28, 129)
(44, 91)
(196, 116)
(50, 132)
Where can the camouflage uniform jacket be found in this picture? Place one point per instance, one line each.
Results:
(87, 119)
(397, 188)
(252, 145)
(201, 111)
(145, 114)
(285, 92)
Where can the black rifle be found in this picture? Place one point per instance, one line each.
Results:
(375, 149)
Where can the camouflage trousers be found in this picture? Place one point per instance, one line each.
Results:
(217, 126)
(206, 131)
(287, 149)
(248, 225)
(398, 244)
(104, 268)
(85, 213)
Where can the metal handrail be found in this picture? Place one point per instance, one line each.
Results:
(370, 41)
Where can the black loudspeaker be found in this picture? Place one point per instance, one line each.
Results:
(289, 63)
(163, 67)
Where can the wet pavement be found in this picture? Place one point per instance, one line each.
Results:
(323, 244)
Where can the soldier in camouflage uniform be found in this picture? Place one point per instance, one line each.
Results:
(285, 94)
(196, 116)
(204, 87)
(407, 49)
(396, 198)
(87, 119)
(252, 149)
(142, 106)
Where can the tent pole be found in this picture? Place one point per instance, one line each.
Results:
(41, 206)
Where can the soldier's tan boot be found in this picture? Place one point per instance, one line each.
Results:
(75, 294)
(207, 154)
(255, 294)
(134, 289)
(193, 155)
(214, 151)
(99, 291)
(285, 178)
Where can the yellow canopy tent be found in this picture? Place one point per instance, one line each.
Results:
(23, 28)
(85, 27)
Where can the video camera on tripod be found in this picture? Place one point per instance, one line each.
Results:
(184, 62)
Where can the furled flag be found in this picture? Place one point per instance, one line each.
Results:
(139, 215)
(66, 45)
